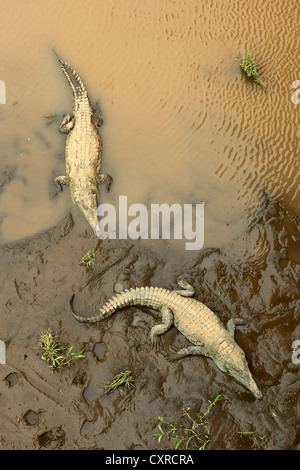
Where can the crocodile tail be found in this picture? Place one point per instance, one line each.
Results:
(73, 79)
(80, 318)
(115, 303)
(148, 296)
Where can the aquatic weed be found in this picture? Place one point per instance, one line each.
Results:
(249, 66)
(182, 434)
(51, 118)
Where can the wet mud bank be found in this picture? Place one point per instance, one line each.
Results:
(257, 279)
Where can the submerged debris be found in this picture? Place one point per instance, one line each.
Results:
(51, 118)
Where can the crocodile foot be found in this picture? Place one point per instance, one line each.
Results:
(67, 124)
(231, 324)
(157, 330)
(156, 342)
(60, 180)
(186, 289)
(170, 357)
(105, 179)
(98, 121)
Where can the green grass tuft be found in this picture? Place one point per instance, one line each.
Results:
(88, 260)
(54, 352)
(123, 378)
(249, 67)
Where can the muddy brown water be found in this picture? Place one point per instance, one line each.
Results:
(181, 125)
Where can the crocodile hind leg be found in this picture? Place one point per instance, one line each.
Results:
(60, 180)
(157, 330)
(67, 124)
(186, 289)
(97, 120)
(231, 324)
(105, 179)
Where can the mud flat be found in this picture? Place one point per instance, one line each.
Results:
(257, 279)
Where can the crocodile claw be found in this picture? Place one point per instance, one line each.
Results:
(156, 342)
(109, 183)
(170, 357)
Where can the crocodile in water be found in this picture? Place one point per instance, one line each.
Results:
(193, 319)
(83, 150)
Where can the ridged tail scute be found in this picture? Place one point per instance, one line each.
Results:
(115, 303)
(149, 296)
(79, 318)
(73, 79)
(82, 318)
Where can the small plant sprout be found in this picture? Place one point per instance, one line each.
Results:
(171, 434)
(88, 260)
(185, 433)
(123, 378)
(249, 67)
(254, 436)
(54, 353)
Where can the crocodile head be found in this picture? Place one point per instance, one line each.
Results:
(239, 370)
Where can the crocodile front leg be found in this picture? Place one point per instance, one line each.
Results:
(60, 180)
(231, 324)
(105, 179)
(67, 124)
(157, 330)
(190, 351)
(98, 121)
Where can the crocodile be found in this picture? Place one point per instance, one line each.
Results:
(83, 150)
(193, 319)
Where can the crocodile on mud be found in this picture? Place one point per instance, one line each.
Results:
(193, 319)
(83, 150)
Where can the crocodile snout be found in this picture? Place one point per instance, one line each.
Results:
(242, 374)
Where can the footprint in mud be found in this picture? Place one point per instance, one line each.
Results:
(80, 377)
(31, 417)
(100, 350)
(52, 439)
(12, 379)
